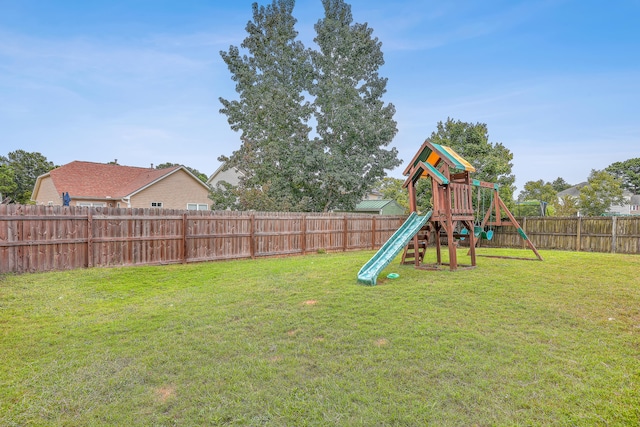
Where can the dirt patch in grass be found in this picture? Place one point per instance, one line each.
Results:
(165, 393)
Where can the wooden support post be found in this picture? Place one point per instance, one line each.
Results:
(496, 196)
(472, 241)
(436, 227)
(448, 228)
(412, 197)
(453, 253)
(515, 223)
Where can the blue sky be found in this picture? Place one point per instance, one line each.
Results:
(557, 82)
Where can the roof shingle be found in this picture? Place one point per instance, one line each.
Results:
(88, 179)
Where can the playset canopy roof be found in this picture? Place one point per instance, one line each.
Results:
(433, 154)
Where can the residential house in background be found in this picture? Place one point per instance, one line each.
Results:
(380, 207)
(630, 207)
(113, 185)
(572, 191)
(231, 176)
(373, 195)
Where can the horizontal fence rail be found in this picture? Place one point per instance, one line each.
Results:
(45, 238)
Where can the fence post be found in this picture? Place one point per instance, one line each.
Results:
(373, 232)
(252, 237)
(184, 238)
(89, 238)
(345, 235)
(303, 235)
(578, 232)
(614, 234)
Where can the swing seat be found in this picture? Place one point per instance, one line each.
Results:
(464, 232)
(477, 231)
(487, 234)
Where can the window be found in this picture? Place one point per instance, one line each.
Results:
(197, 207)
(89, 205)
(156, 204)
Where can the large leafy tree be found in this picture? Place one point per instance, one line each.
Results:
(26, 168)
(271, 113)
(7, 182)
(491, 160)
(559, 184)
(538, 190)
(283, 88)
(224, 196)
(354, 125)
(567, 206)
(391, 189)
(628, 172)
(601, 192)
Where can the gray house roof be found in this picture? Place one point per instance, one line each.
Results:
(572, 191)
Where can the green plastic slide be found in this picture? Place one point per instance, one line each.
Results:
(369, 272)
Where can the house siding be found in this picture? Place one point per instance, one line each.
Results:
(174, 191)
(48, 193)
(231, 176)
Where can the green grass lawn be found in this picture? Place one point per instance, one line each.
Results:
(296, 341)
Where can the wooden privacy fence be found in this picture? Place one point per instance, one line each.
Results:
(589, 234)
(43, 238)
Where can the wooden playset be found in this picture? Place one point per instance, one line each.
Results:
(453, 215)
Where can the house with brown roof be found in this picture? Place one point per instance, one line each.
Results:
(113, 185)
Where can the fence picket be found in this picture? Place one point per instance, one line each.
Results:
(42, 238)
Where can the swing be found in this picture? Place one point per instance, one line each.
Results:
(477, 228)
(488, 234)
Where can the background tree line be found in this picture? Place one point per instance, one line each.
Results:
(603, 189)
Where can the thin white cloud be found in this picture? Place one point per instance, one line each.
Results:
(82, 57)
(420, 25)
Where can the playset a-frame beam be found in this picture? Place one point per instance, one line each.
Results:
(453, 211)
(496, 208)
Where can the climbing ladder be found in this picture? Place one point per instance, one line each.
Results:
(421, 240)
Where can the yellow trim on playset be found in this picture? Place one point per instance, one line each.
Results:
(459, 158)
